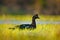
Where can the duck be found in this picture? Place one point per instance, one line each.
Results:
(29, 26)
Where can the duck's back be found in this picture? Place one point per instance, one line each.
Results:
(25, 26)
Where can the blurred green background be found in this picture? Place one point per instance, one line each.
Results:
(17, 7)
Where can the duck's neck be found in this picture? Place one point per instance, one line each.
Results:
(33, 23)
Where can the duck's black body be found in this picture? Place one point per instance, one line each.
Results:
(25, 26)
(29, 26)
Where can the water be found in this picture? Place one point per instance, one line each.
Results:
(27, 22)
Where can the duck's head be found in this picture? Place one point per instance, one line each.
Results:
(36, 16)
